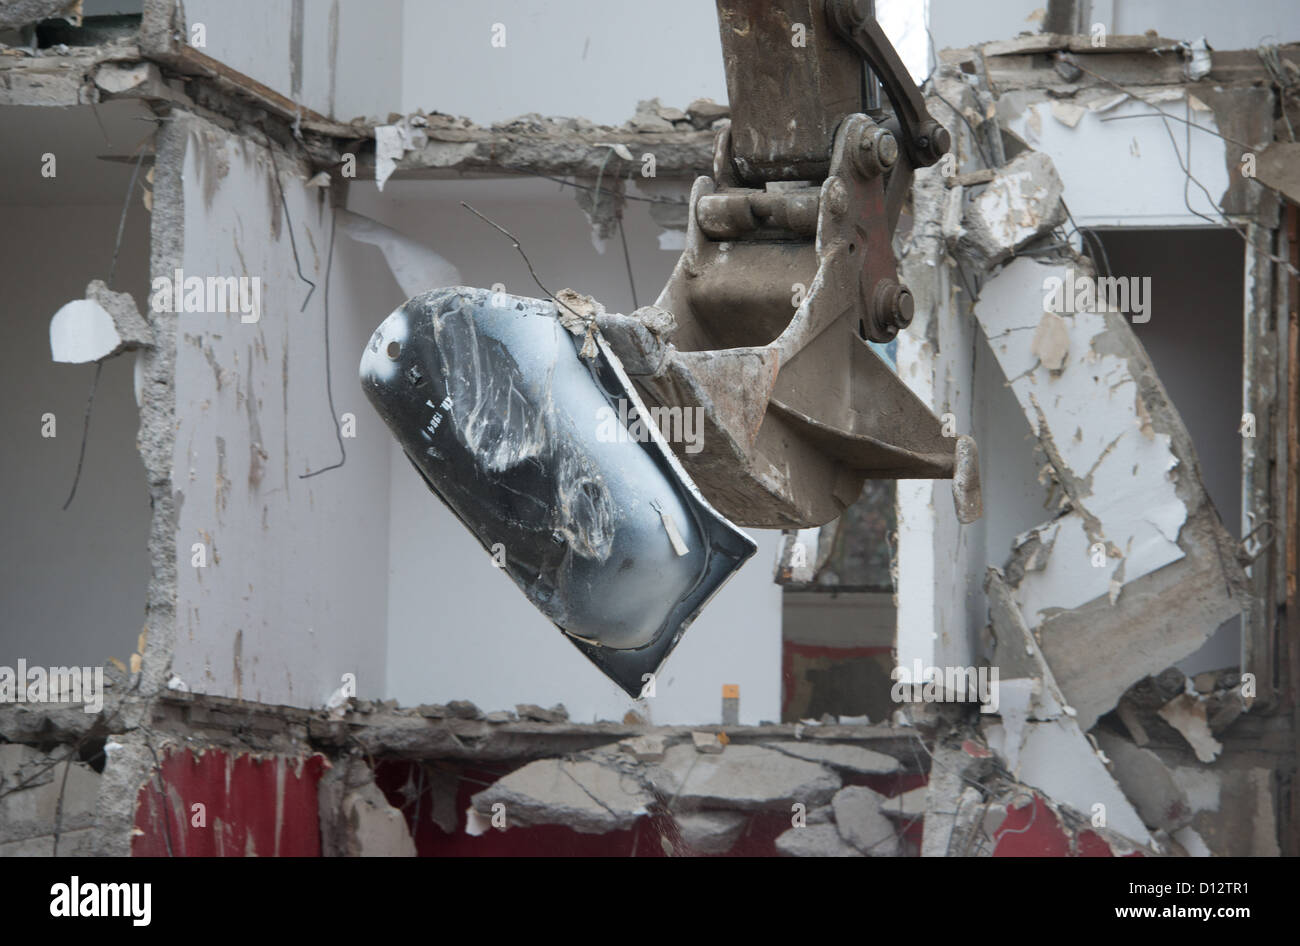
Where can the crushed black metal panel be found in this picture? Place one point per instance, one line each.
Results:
(538, 451)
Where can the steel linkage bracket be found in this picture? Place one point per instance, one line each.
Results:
(784, 281)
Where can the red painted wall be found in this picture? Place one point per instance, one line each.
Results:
(263, 806)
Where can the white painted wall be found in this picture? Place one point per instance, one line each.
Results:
(294, 593)
(1121, 170)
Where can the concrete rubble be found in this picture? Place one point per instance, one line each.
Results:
(710, 832)
(357, 820)
(817, 840)
(584, 794)
(744, 778)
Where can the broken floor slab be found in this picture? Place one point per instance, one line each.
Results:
(710, 832)
(1138, 543)
(583, 794)
(744, 778)
(854, 759)
(815, 840)
(861, 822)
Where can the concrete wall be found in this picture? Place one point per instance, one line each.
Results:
(457, 628)
(293, 595)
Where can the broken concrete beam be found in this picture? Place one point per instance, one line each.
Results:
(1138, 545)
(586, 795)
(853, 759)
(447, 147)
(815, 840)
(710, 832)
(1020, 204)
(861, 823)
(744, 778)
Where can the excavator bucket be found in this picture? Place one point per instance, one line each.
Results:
(533, 436)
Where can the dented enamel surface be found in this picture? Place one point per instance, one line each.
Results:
(492, 403)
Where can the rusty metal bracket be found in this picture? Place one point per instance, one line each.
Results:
(788, 275)
(925, 141)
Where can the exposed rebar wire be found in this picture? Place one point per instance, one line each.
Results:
(58, 808)
(126, 205)
(1087, 235)
(588, 187)
(595, 200)
(329, 377)
(112, 278)
(1152, 105)
(627, 258)
(1170, 116)
(85, 433)
(934, 90)
(288, 222)
(1273, 61)
(527, 262)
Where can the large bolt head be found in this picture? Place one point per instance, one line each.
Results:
(904, 307)
(886, 146)
(940, 140)
(892, 308)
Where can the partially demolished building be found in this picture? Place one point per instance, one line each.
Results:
(302, 653)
